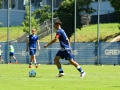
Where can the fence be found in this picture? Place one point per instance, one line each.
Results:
(84, 53)
(101, 52)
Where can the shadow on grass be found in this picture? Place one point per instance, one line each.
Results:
(116, 86)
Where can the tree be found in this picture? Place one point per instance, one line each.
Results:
(66, 14)
(0, 4)
(26, 22)
(116, 5)
(37, 17)
(43, 13)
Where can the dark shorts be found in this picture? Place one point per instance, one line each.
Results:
(32, 51)
(65, 54)
(0, 56)
(11, 54)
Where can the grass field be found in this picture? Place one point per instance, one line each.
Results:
(89, 33)
(86, 34)
(15, 77)
(14, 33)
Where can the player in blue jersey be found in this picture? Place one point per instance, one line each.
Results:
(65, 51)
(11, 53)
(31, 45)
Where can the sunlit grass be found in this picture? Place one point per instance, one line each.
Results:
(16, 77)
(14, 33)
(86, 34)
(89, 33)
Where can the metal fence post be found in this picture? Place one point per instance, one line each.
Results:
(29, 17)
(8, 30)
(98, 30)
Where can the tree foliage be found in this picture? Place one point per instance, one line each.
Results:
(43, 13)
(26, 22)
(0, 4)
(66, 14)
(38, 16)
(116, 5)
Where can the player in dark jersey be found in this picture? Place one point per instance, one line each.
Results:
(33, 41)
(65, 51)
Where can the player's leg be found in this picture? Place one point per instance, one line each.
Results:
(10, 56)
(15, 59)
(31, 60)
(78, 67)
(70, 57)
(1, 59)
(58, 64)
(34, 58)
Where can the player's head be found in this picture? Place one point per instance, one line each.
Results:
(33, 31)
(10, 43)
(57, 24)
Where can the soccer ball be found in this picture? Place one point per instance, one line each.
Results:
(32, 73)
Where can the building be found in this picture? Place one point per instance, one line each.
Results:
(105, 7)
(20, 4)
(106, 12)
(17, 9)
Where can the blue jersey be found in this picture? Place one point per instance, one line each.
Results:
(32, 41)
(63, 39)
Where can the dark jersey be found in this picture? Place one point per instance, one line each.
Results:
(32, 41)
(63, 39)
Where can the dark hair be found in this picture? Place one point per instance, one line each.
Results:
(58, 22)
(10, 43)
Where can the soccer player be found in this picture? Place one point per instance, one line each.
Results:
(1, 56)
(33, 40)
(65, 51)
(11, 53)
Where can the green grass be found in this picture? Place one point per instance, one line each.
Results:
(89, 33)
(86, 34)
(15, 77)
(14, 33)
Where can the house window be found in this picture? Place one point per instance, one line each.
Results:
(38, 3)
(57, 3)
(95, 0)
(25, 2)
(99, 0)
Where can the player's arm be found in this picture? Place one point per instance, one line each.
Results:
(27, 46)
(68, 41)
(53, 41)
(38, 44)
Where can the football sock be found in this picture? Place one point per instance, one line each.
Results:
(30, 63)
(60, 70)
(80, 69)
(15, 60)
(35, 63)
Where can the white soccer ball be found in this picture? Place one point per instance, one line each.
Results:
(32, 73)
